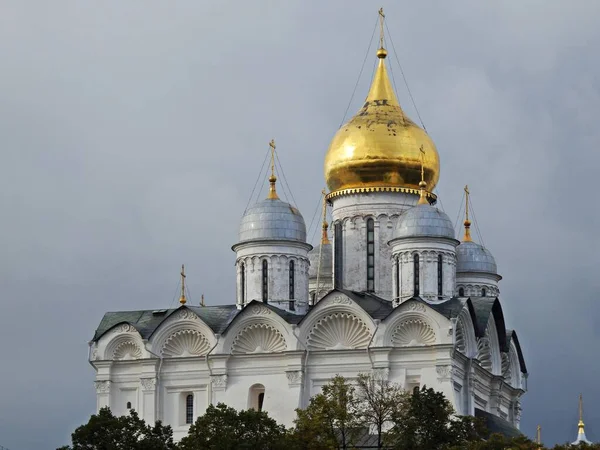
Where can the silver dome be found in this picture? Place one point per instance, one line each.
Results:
(424, 221)
(472, 257)
(326, 260)
(272, 219)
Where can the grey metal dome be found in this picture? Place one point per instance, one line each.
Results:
(272, 219)
(472, 257)
(424, 221)
(326, 261)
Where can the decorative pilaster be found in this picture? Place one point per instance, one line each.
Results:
(102, 393)
(148, 399)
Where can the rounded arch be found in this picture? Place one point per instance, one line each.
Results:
(258, 338)
(334, 303)
(339, 330)
(183, 333)
(465, 340)
(412, 319)
(123, 341)
(257, 322)
(488, 349)
(413, 332)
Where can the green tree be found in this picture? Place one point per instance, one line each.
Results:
(379, 401)
(224, 428)
(331, 420)
(426, 422)
(104, 431)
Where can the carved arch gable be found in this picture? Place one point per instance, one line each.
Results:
(183, 334)
(465, 339)
(413, 323)
(336, 322)
(488, 349)
(257, 329)
(122, 342)
(258, 338)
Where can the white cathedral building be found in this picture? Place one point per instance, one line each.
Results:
(394, 293)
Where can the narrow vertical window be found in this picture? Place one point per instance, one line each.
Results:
(440, 275)
(261, 400)
(483, 292)
(243, 283)
(265, 280)
(398, 273)
(416, 275)
(461, 292)
(338, 255)
(292, 282)
(128, 405)
(189, 409)
(370, 255)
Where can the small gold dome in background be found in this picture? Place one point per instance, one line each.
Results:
(380, 145)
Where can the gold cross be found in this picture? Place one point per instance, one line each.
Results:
(272, 145)
(182, 299)
(381, 17)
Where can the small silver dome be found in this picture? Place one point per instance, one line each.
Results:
(272, 219)
(472, 257)
(326, 261)
(424, 221)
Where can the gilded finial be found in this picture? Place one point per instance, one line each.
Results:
(381, 52)
(182, 299)
(324, 236)
(202, 300)
(422, 183)
(580, 425)
(467, 237)
(272, 179)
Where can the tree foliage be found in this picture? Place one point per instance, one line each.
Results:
(104, 431)
(339, 418)
(331, 419)
(224, 428)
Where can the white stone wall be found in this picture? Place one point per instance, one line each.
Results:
(428, 249)
(413, 346)
(352, 212)
(278, 256)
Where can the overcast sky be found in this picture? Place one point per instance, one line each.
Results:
(132, 132)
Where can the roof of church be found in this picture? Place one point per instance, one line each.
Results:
(220, 317)
(147, 321)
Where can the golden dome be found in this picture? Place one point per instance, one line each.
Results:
(380, 146)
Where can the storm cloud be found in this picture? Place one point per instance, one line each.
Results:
(131, 135)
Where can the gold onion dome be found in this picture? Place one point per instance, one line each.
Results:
(380, 147)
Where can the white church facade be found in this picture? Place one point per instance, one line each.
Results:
(391, 292)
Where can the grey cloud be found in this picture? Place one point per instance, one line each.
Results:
(131, 134)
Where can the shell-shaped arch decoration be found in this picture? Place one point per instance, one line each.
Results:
(484, 353)
(339, 331)
(412, 333)
(258, 338)
(506, 369)
(185, 343)
(127, 351)
(460, 340)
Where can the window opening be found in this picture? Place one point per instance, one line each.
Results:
(370, 255)
(338, 255)
(243, 283)
(189, 409)
(416, 276)
(265, 281)
(440, 271)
